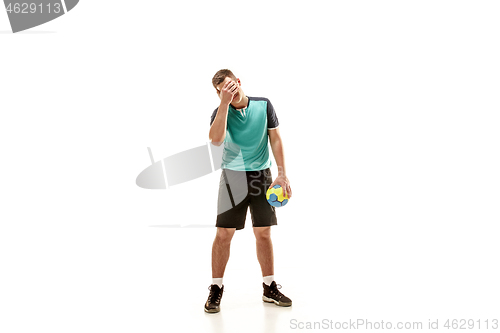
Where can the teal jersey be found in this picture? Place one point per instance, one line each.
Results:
(246, 145)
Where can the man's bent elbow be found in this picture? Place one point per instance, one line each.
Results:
(216, 143)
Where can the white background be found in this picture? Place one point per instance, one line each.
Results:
(389, 112)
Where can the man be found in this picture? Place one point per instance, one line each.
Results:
(245, 125)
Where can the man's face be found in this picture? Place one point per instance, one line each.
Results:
(238, 96)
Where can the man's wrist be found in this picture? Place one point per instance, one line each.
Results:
(224, 105)
(281, 171)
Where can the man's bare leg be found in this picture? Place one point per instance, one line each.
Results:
(220, 251)
(266, 260)
(264, 250)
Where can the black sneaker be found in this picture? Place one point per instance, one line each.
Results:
(273, 295)
(213, 302)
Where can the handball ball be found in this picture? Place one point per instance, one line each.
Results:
(275, 196)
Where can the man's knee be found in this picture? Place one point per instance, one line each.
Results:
(224, 235)
(262, 233)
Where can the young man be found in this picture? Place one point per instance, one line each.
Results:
(245, 125)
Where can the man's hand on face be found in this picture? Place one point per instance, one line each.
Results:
(228, 91)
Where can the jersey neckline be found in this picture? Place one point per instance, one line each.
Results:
(246, 107)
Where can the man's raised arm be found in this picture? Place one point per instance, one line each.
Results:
(217, 132)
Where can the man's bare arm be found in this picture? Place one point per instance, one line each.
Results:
(217, 132)
(279, 155)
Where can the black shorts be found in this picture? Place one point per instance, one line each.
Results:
(239, 190)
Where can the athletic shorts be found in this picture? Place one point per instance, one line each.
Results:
(239, 190)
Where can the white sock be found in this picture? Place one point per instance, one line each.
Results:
(217, 281)
(268, 279)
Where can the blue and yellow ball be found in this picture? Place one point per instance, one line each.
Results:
(275, 196)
